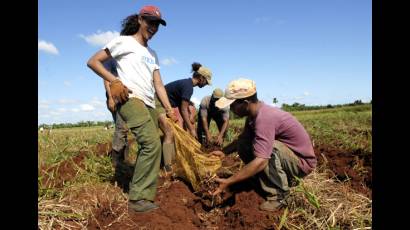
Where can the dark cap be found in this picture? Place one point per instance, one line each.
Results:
(152, 13)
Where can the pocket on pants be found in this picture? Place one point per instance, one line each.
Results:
(134, 112)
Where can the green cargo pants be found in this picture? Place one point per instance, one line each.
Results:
(143, 123)
(278, 176)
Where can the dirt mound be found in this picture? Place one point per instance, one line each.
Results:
(104, 217)
(173, 211)
(55, 176)
(355, 167)
(181, 209)
(103, 149)
(244, 214)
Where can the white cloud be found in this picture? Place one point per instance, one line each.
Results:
(97, 102)
(100, 114)
(47, 47)
(55, 113)
(75, 110)
(306, 93)
(66, 101)
(262, 20)
(43, 104)
(100, 38)
(62, 110)
(168, 61)
(87, 107)
(67, 83)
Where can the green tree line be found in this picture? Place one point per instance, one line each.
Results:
(299, 107)
(78, 124)
(287, 107)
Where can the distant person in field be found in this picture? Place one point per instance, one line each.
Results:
(119, 141)
(207, 112)
(274, 146)
(134, 92)
(180, 92)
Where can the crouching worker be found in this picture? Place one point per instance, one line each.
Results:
(274, 145)
(207, 112)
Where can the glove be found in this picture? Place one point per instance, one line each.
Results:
(170, 113)
(119, 92)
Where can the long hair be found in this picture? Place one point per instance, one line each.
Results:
(195, 68)
(130, 25)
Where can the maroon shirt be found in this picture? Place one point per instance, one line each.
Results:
(275, 124)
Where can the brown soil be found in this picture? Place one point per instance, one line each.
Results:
(103, 149)
(354, 167)
(181, 208)
(56, 176)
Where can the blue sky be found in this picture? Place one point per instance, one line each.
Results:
(314, 52)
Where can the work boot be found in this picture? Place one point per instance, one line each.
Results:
(272, 205)
(142, 205)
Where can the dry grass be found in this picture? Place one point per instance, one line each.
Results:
(79, 207)
(336, 206)
(319, 202)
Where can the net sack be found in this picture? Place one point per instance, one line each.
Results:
(192, 164)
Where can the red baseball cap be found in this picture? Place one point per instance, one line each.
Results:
(152, 13)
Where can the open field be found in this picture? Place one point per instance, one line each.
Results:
(77, 188)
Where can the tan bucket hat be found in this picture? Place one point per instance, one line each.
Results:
(206, 73)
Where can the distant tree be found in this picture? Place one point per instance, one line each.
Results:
(275, 101)
(358, 102)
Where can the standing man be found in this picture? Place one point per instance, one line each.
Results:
(119, 141)
(274, 145)
(207, 112)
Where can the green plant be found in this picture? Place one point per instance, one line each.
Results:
(310, 196)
